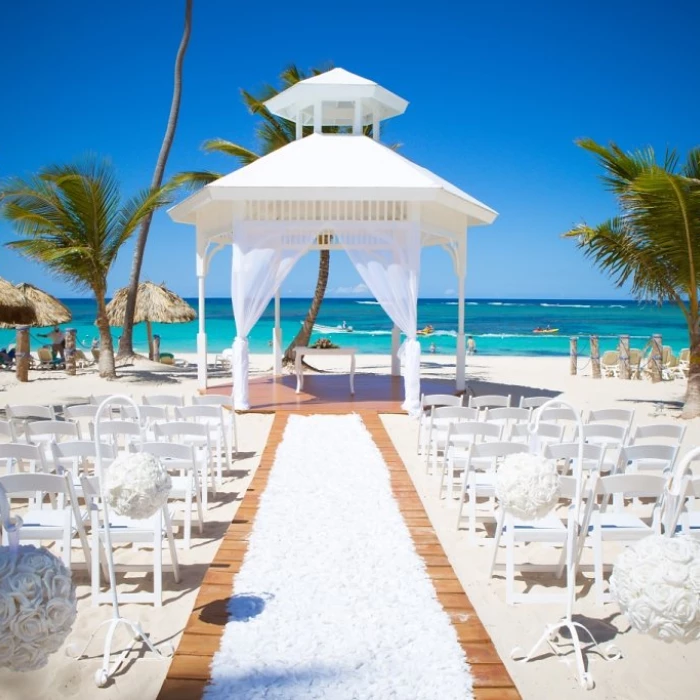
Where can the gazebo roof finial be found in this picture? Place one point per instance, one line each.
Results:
(336, 98)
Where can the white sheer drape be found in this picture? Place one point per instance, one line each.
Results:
(263, 255)
(389, 264)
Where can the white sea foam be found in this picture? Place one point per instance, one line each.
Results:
(568, 306)
(369, 303)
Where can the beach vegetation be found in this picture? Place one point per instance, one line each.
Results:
(271, 133)
(72, 220)
(652, 246)
(126, 344)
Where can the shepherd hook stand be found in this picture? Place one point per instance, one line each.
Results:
(552, 633)
(103, 675)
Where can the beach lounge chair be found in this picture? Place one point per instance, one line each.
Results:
(47, 360)
(609, 363)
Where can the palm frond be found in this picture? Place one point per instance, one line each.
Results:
(218, 145)
(193, 180)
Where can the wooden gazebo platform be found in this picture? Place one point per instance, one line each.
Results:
(330, 393)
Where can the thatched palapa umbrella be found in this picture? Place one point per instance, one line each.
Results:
(154, 304)
(47, 310)
(15, 308)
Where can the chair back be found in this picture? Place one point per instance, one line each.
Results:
(42, 431)
(605, 434)
(202, 413)
(164, 400)
(568, 451)
(490, 401)
(533, 401)
(440, 400)
(81, 410)
(148, 413)
(75, 455)
(657, 432)
(442, 415)
(13, 452)
(610, 358)
(545, 434)
(173, 455)
(114, 400)
(464, 433)
(636, 458)
(181, 431)
(118, 433)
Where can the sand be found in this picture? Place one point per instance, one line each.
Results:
(650, 669)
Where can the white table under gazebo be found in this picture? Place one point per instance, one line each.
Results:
(341, 191)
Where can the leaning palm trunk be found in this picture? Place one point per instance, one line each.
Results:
(106, 364)
(304, 335)
(126, 345)
(691, 407)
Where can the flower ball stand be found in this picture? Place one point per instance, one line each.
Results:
(103, 674)
(554, 633)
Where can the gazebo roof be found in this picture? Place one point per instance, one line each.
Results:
(342, 168)
(337, 89)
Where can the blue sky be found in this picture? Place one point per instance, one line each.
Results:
(498, 92)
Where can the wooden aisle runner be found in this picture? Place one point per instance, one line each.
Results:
(189, 670)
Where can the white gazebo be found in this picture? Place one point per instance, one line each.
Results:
(331, 191)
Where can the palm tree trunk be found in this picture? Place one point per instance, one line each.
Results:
(126, 347)
(106, 347)
(303, 336)
(691, 407)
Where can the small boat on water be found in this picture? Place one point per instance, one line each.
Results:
(546, 330)
(428, 330)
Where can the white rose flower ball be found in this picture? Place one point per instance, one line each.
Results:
(37, 606)
(137, 485)
(527, 485)
(656, 583)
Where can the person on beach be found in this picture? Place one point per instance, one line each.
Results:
(471, 346)
(58, 342)
(433, 348)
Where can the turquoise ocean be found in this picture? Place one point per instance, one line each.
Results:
(499, 326)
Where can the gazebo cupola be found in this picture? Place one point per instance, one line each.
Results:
(337, 98)
(331, 191)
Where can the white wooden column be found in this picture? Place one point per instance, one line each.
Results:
(277, 340)
(357, 121)
(375, 124)
(318, 117)
(299, 130)
(201, 334)
(395, 342)
(461, 265)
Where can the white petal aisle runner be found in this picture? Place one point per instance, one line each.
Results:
(332, 600)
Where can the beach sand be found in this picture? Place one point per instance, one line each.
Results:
(650, 669)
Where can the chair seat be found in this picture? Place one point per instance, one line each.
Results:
(548, 528)
(621, 524)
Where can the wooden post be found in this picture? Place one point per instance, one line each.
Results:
(22, 354)
(624, 354)
(656, 356)
(595, 357)
(70, 351)
(156, 348)
(149, 333)
(573, 355)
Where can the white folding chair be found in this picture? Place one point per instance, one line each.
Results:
(613, 416)
(603, 523)
(609, 436)
(478, 480)
(658, 433)
(645, 458)
(532, 402)
(148, 414)
(226, 403)
(552, 529)
(45, 432)
(563, 417)
(83, 415)
(441, 417)
(507, 418)
(427, 403)
(545, 434)
(489, 401)
(14, 455)
(460, 437)
(115, 403)
(124, 530)
(181, 462)
(124, 435)
(20, 414)
(213, 417)
(166, 401)
(197, 435)
(77, 457)
(686, 518)
(59, 521)
(566, 453)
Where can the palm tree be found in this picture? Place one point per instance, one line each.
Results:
(271, 133)
(126, 346)
(71, 219)
(654, 243)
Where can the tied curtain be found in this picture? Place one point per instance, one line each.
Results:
(262, 258)
(389, 264)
